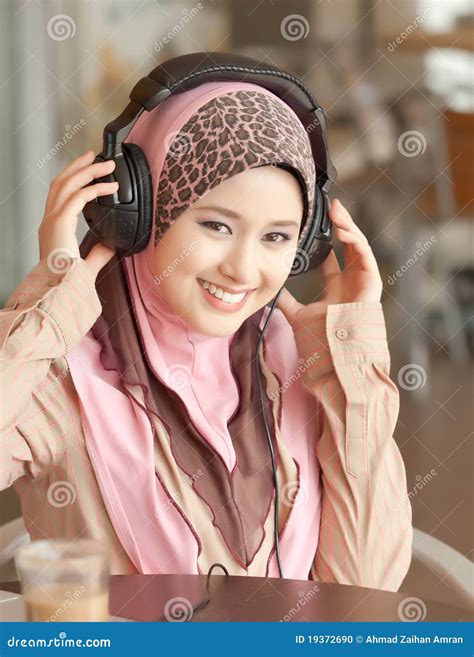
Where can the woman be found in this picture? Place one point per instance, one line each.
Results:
(132, 410)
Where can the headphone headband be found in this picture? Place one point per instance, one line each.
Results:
(122, 224)
(188, 71)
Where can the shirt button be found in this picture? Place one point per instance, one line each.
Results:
(52, 282)
(341, 333)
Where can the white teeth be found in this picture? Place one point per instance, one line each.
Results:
(220, 294)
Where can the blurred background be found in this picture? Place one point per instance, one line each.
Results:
(395, 78)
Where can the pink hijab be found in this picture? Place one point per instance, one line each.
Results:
(118, 434)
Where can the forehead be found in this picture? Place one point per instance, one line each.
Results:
(268, 191)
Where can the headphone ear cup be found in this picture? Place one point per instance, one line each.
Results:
(325, 224)
(141, 177)
(316, 248)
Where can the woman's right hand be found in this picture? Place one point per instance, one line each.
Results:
(66, 199)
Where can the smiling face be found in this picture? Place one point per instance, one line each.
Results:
(231, 238)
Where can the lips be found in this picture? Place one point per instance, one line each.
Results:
(202, 280)
(222, 305)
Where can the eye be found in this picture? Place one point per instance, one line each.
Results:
(284, 236)
(213, 223)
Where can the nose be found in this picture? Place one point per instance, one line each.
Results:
(240, 264)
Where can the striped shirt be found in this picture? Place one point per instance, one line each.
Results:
(365, 534)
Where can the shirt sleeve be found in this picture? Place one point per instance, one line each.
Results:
(366, 530)
(44, 318)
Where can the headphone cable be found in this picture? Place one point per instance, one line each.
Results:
(185, 615)
(269, 440)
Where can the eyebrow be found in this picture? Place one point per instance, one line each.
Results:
(236, 215)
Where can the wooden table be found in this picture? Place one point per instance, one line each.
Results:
(145, 597)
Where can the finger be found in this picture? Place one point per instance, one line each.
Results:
(360, 255)
(330, 266)
(76, 165)
(55, 187)
(83, 177)
(341, 217)
(99, 256)
(288, 305)
(77, 201)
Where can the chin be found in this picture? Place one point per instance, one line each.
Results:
(215, 332)
(214, 328)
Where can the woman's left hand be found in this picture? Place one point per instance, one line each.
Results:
(359, 281)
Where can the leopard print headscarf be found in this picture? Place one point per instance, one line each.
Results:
(236, 131)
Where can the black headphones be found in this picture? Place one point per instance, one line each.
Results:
(124, 221)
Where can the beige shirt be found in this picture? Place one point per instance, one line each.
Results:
(365, 535)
